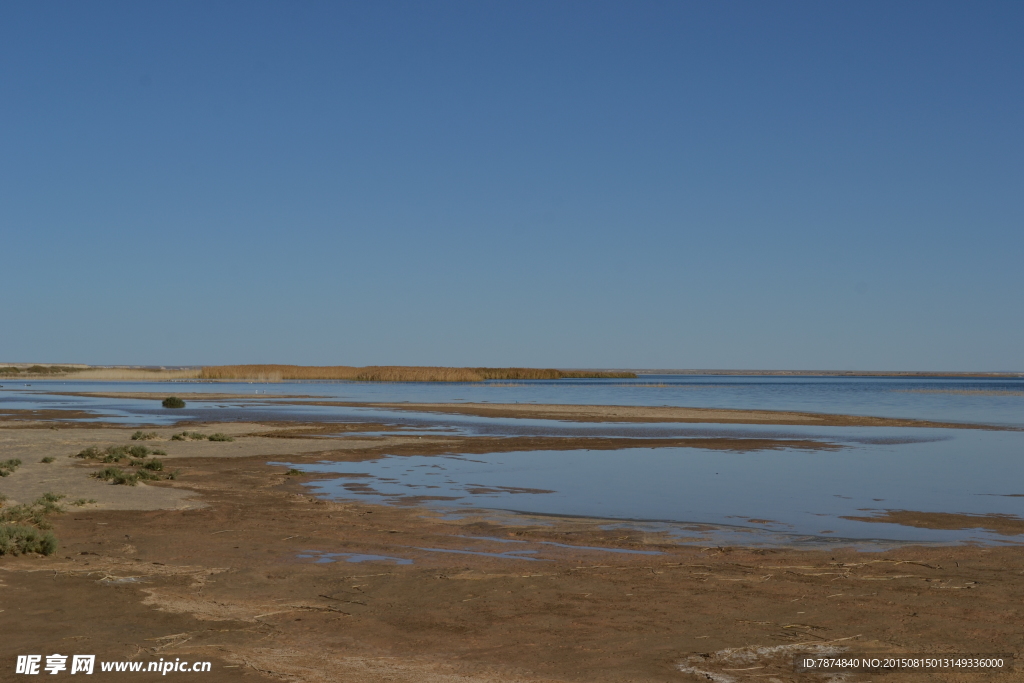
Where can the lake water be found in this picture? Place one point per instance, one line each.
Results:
(793, 496)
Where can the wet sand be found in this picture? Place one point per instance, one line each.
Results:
(579, 413)
(652, 414)
(1001, 524)
(209, 567)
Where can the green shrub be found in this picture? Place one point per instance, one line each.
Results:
(8, 466)
(48, 459)
(83, 501)
(173, 402)
(115, 475)
(220, 437)
(294, 472)
(143, 436)
(48, 502)
(16, 539)
(189, 436)
(154, 465)
(157, 451)
(22, 527)
(114, 453)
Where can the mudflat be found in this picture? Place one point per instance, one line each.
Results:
(574, 413)
(233, 562)
(652, 414)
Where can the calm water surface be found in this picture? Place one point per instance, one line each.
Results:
(793, 495)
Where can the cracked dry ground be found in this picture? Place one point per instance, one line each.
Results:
(224, 583)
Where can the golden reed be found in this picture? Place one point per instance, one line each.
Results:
(392, 373)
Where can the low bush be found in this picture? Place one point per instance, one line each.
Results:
(115, 453)
(143, 436)
(220, 437)
(173, 402)
(189, 436)
(48, 459)
(16, 539)
(115, 475)
(157, 451)
(7, 467)
(83, 501)
(145, 470)
(48, 503)
(24, 528)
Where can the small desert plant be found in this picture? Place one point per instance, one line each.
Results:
(154, 465)
(143, 436)
(220, 437)
(23, 527)
(157, 451)
(48, 459)
(173, 402)
(17, 539)
(114, 453)
(189, 436)
(83, 501)
(294, 472)
(8, 466)
(115, 475)
(48, 502)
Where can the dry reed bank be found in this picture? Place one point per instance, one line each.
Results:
(393, 373)
(278, 373)
(37, 372)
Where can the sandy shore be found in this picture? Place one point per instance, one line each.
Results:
(210, 566)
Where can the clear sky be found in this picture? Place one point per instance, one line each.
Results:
(802, 185)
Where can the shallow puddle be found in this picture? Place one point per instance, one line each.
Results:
(327, 558)
(778, 495)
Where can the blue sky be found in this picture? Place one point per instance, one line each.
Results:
(569, 184)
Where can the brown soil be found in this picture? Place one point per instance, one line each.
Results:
(49, 416)
(1009, 525)
(224, 582)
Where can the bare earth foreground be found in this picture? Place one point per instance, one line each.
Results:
(209, 567)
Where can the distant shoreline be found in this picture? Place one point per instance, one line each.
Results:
(278, 373)
(836, 373)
